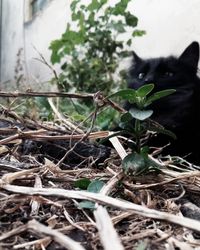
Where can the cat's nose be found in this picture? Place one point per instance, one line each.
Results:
(148, 80)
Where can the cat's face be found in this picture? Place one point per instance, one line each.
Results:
(170, 73)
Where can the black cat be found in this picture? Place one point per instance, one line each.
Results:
(179, 112)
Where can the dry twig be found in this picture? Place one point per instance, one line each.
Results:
(106, 200)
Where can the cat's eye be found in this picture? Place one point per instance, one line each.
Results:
(141, 75)
(168, 74)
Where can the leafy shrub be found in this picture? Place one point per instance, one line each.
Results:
(90, 52)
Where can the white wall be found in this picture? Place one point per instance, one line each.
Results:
(48, 25)
(170, 25)
(11, 38)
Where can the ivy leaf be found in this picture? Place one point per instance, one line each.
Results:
(131, 20)
(73, 5)
(87, 204)
(120, 7)
(138, 33)
(118, 26)
(91, 20)
(137, 164)
(124, 53)
(75, 16)
(103, 2)
(95, 186)
(82, 22)
(56, 46)
(73, 37)
(142, 246)
(55, 58)
(134, 164)
(94, 5)
(140, 114)
(129, 42)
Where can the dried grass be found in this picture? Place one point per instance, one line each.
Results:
(39, 202)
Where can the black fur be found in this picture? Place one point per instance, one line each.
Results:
(179, 112)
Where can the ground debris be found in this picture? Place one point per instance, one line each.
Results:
(40, 205)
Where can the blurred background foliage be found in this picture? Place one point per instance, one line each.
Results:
(90, 51)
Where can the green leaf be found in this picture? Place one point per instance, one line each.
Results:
(167, 132)
(131, 20)
(91, 19)
(138, 33)
(75, 16)
(145, 150)
(95, 186)
(72, 38)
(120, 7)
(159, 95)
(137, 164)
(103, 2)
(142, 246)
(94, 5)
(134, 164)
(144, 90)
(126, 94)
(125, 2)
(87, 204)
(126, 117)
(55, 58)
(82, 183)
(56, 46)
(127, 127)
(118, 26)
(73, 5)
(82, 23)
(140, 114)
(129, 42)
(162, 130)
(124, 53)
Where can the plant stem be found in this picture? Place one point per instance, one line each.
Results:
(137, 135)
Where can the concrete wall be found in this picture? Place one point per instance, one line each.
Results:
(170, 25)
(12, 39)
(25, 38)
(48, 25)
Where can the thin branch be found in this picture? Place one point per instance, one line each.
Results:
(84, 137)
(37, 227)
(106, 200)
(46, 94)
(44, 61)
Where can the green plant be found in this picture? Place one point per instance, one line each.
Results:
(91, 51)
(134, 123)
(94, 186)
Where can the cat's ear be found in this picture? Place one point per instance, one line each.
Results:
(136, 58)
(190, 55)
